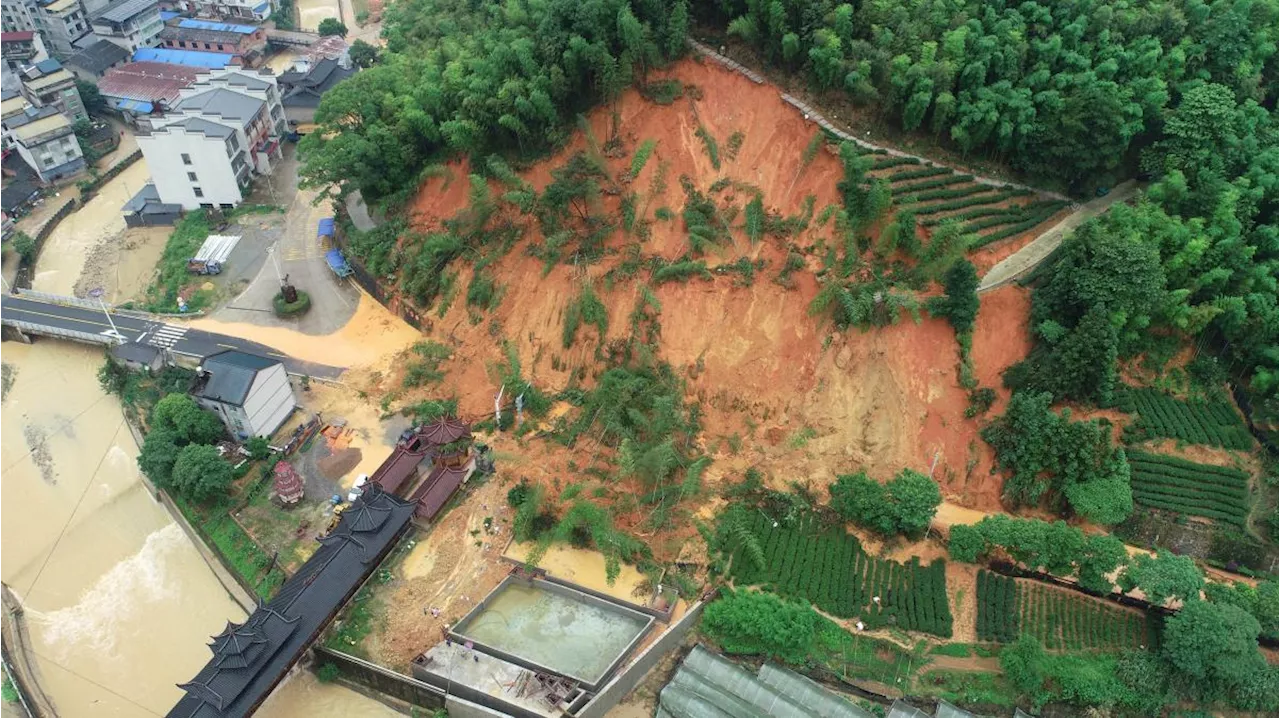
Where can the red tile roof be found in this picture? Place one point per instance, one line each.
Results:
(25, 35)
(147, 81)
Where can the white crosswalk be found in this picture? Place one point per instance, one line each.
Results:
(166, 336)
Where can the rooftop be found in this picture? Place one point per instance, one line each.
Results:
(125, 9)
(194, 34)
(248, 79)
(12, 105)
(53, 78)
(190, 58)
(191, 24)
(62, 5)
(250, 659)
(231, 374)
(23, 36)
(224, 103)
(19, 183)
(99, 56)
(135, 351)
(53, 123)
(147, 81)
(196, 125)
(305, 89)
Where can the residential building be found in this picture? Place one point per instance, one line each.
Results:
(302, 90)
(138, 356)
(19, 48)
(131, 24)
(49, 84)
(137, 89)
(44, 139)
(223, 128)
(244, 10)
(145, 209)
(18, 15)
(19, 188)
(250, 393)
(245, 41)
(62, 22)
(190, 58)
(93, 62)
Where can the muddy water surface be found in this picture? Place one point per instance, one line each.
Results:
(119, 604)
(311, 12)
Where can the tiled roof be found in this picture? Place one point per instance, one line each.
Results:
(147, 81)
(99, 56)
(251, 658)
(232, 374)
(224, 103)
(204, 127)
(23, 36)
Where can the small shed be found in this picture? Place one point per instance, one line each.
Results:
(288, 484)
(250, 393)
(138, 357)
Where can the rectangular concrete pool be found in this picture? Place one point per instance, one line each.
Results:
(545, 626)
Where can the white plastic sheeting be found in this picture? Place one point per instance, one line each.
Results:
(946, 710)
(217, 248)
(905, 710)
(816, 699)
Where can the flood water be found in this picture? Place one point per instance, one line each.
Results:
(119, 605)
(311, 12)
(555, 630)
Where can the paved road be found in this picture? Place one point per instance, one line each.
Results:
(1026, 259)
(173, 337)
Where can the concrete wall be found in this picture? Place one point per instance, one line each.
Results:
(626, 681)
(163, 150)
(459, 708)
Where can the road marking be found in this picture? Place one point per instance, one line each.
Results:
(228, 346)
(167, 335)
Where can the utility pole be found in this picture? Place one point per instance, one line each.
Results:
(114, 333)
(497, 407)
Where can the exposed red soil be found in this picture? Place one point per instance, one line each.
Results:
(805, 402)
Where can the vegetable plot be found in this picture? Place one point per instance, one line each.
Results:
(1185, 487)
(828, 568)
(1194, 421)
(997, 608)
(1061, 619)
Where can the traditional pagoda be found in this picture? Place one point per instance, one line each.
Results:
(288, 484)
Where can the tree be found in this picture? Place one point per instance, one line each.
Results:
(332, 26)
(960, 303)
(1211, 643)
(24, 245)
(199, 473)
(94, 102)
(1163, 577)
(159, 451)
(363, 54)
(966, 543)
(905, 505)
(754, 623)
(189, 423)
(259, 448)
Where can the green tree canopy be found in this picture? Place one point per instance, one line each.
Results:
(1163, 577)
(159, 451)
(904, 505)
(960, 303)
(755, 623)
(189, 423)
(332, 26)
(1212, 643)
(363, 55)
(200, 473)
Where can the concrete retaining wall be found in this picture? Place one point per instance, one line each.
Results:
(626, 680)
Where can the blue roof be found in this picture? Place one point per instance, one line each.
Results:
(262, 8)
(220, 26)
(135, 105)
(48, 66)
(335, 259)
(190, 58)
(326, 227)
(167, 15)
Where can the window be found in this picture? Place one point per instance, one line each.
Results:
(206, 46)
(199, 192)
(186, 158)
(192, 176)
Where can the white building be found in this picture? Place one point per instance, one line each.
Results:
(18, 15)
(62, 22)
(228, 9)
(43, 138)
(131, 24)
(251, 394)
(223, 128)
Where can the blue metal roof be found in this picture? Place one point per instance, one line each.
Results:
(167, 15)
(190, 58)
(335, 259)
(326, 227)
(262, 8)
(135, 105)
(220, 26)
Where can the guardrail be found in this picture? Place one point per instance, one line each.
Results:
(58, 299)
(69, 334)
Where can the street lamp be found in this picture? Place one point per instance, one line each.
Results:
(96, 293)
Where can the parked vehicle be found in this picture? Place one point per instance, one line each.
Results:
(338, 263)
(204, 266)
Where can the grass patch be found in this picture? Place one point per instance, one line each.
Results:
(955, 650)
(709, 143)
(237, 548)
(427, 370)
(967, 687)
(171, 272)
(801, 438)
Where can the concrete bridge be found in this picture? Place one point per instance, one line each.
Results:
(91, 322)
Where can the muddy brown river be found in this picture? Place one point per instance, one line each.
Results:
(119, 605)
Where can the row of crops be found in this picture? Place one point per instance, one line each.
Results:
(997, 608)
(827, 567)
(1195, 421)
(1185, 487)
(1061, 619)
(1058, 618)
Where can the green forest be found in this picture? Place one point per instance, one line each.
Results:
(1145, 408)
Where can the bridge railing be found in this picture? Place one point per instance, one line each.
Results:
(49, 331)
(58, 299)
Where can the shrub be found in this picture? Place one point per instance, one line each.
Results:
(24, 245)
(327, 673)
(294, 309)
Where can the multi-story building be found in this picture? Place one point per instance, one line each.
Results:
(137, 89)
(93, 62)
(258, 10)
(244, 41)
(62, 22)
(131, 24)
(223, 129)
(44, 139)
(49, 84)
(18, 15)
(18, 49)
